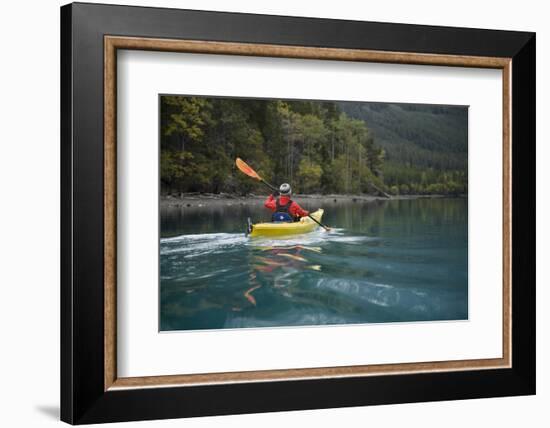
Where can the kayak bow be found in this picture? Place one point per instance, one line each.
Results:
(275, 229)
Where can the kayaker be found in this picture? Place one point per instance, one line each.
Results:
(284, 208)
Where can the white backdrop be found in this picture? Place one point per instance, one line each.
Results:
(29, 165)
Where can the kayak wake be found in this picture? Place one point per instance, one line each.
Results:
(201, 244)
(194, 245)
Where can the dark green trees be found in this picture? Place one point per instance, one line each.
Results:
(315, 146)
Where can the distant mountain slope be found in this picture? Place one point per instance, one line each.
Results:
(417, 135)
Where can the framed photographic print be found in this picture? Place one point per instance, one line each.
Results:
(265, 213)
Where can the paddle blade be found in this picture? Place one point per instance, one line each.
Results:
(245, 169)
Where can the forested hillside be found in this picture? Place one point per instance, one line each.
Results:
(319, 147)
(417, 139)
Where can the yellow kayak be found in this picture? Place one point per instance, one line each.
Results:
(274, 229)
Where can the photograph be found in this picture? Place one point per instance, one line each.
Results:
(291, 212)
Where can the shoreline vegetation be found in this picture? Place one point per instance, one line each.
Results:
(319, 147)
(209, 200)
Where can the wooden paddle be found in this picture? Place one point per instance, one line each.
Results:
(245, 169)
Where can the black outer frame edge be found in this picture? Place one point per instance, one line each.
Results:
(83, 398)
(168, 403)
(139, 21)
(524, 212)
(66, 306)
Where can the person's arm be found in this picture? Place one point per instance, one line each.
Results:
(297, 211)
(270, 203)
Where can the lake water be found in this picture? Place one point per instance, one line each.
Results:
(383, 261)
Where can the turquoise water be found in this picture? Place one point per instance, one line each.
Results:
(384, 261)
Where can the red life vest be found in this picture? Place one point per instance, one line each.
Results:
(282, 212)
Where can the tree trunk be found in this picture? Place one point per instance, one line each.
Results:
(348, 169)
(360, 165)
(332, 146)
(380, 191)
(182, 142)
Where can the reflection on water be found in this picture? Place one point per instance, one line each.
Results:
(386, 261)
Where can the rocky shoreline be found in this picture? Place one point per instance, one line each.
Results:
(199, 200)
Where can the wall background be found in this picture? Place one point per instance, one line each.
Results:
(29, 214)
